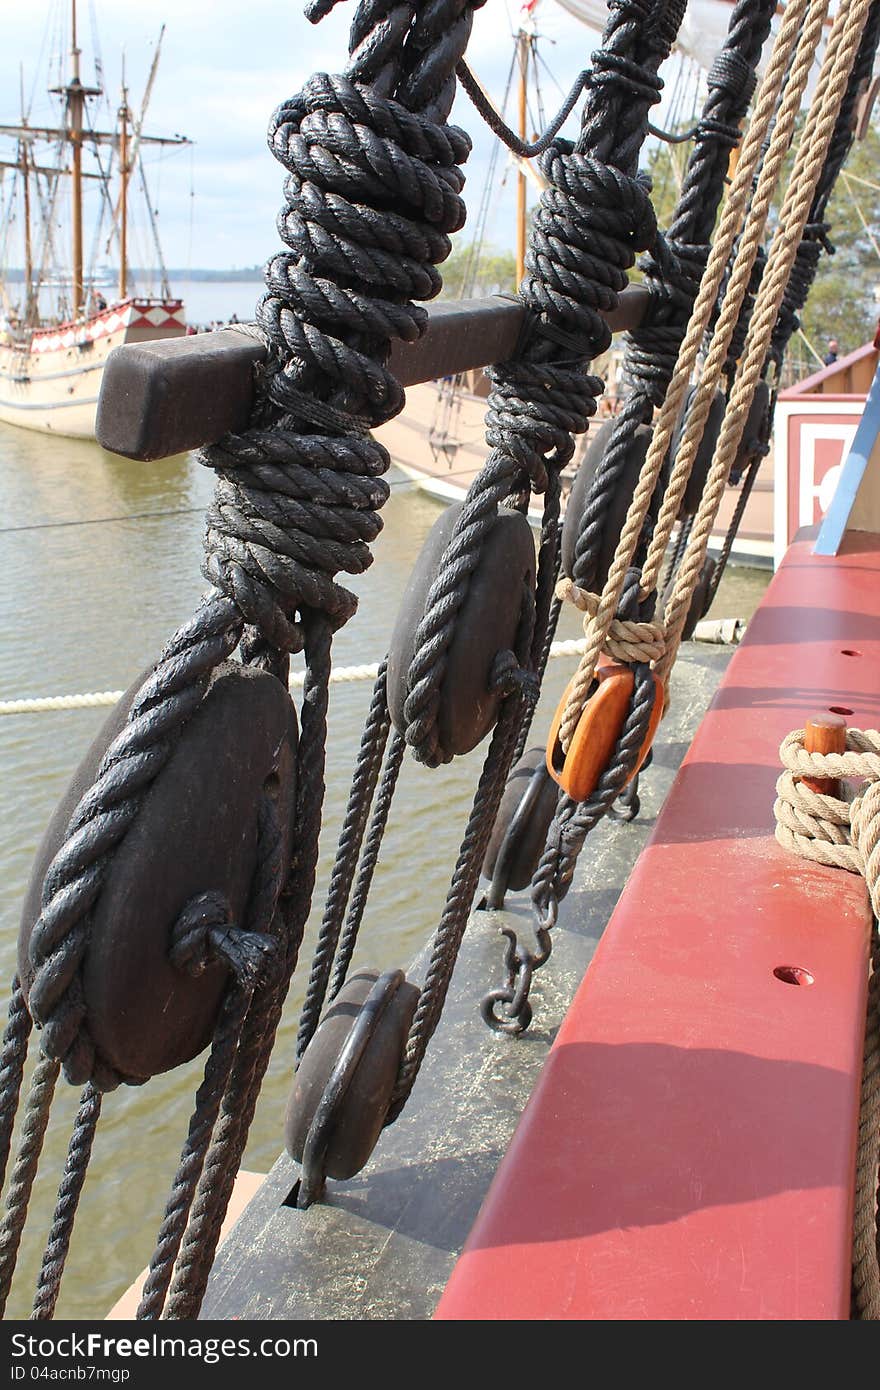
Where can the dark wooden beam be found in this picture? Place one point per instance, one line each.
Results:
(162, 398)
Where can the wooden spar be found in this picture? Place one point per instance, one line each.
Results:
(522, 44)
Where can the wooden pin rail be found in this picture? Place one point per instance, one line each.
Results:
(162, 398)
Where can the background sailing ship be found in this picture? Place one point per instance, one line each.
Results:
(64, 314)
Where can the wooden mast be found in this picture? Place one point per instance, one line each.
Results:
(522, 44)
(124, 171)
(75, 107)
(26, 208)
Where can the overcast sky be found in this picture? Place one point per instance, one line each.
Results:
(225, 65)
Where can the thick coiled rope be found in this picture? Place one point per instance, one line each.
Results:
(631, 633)
(670, 407)
(844, 833)
(290, 509)
(593, 218)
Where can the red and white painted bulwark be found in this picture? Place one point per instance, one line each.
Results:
(814, 426)
(812, 436)
(52, 382)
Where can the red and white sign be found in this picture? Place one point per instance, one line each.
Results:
(811, 439)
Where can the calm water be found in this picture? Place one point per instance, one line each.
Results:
(91, 591)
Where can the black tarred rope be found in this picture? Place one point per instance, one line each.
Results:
(674, 269)
(373, 192)
(12, 1062)
(58, 1241)
(33, 1131)
(363, 788)
(594, 217)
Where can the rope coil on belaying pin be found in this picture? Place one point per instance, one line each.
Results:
(842, 831)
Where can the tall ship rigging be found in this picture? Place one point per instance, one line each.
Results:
(61, 316)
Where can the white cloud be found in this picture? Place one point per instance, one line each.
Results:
(225, 66)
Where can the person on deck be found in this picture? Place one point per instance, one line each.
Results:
(831, 355)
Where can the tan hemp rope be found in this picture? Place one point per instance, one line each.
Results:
(602, 610)
(866, 1233)
(846, 835)
(738, 282)
(843, 43)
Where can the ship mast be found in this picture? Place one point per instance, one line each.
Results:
(523, 49)
(29, 315)
(124, 171)
(75, 102)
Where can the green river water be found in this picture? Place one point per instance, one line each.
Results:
(92, 587)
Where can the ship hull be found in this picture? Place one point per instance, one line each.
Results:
(440, 446)
(52, 384)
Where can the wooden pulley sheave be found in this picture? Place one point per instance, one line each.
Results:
(343, 1086)
(577, 770)
(194, 833)
(488, 623)
(701, 598)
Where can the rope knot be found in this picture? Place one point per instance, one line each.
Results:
(205, 934)
(508, 676)
(627, 640)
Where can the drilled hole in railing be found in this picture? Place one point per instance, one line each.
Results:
(793, 975)
(849, 651)
(839, 709)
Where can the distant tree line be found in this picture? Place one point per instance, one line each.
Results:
(474, 270)
(842, 303)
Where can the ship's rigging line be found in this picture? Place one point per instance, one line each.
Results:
(292, 508)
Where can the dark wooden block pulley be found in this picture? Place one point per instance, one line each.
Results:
(195, 832)
(618, 506)
(530, 831)
(701, 599)
(346, 1078)
(754, 435)
(487, 623)
(705, 449)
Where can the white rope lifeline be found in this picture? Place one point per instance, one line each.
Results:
(342, 675)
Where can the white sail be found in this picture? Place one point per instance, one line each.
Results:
(703, 29)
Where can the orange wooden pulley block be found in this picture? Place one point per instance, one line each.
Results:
(599, 727)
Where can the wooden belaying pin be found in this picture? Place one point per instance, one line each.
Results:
(825, 733)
